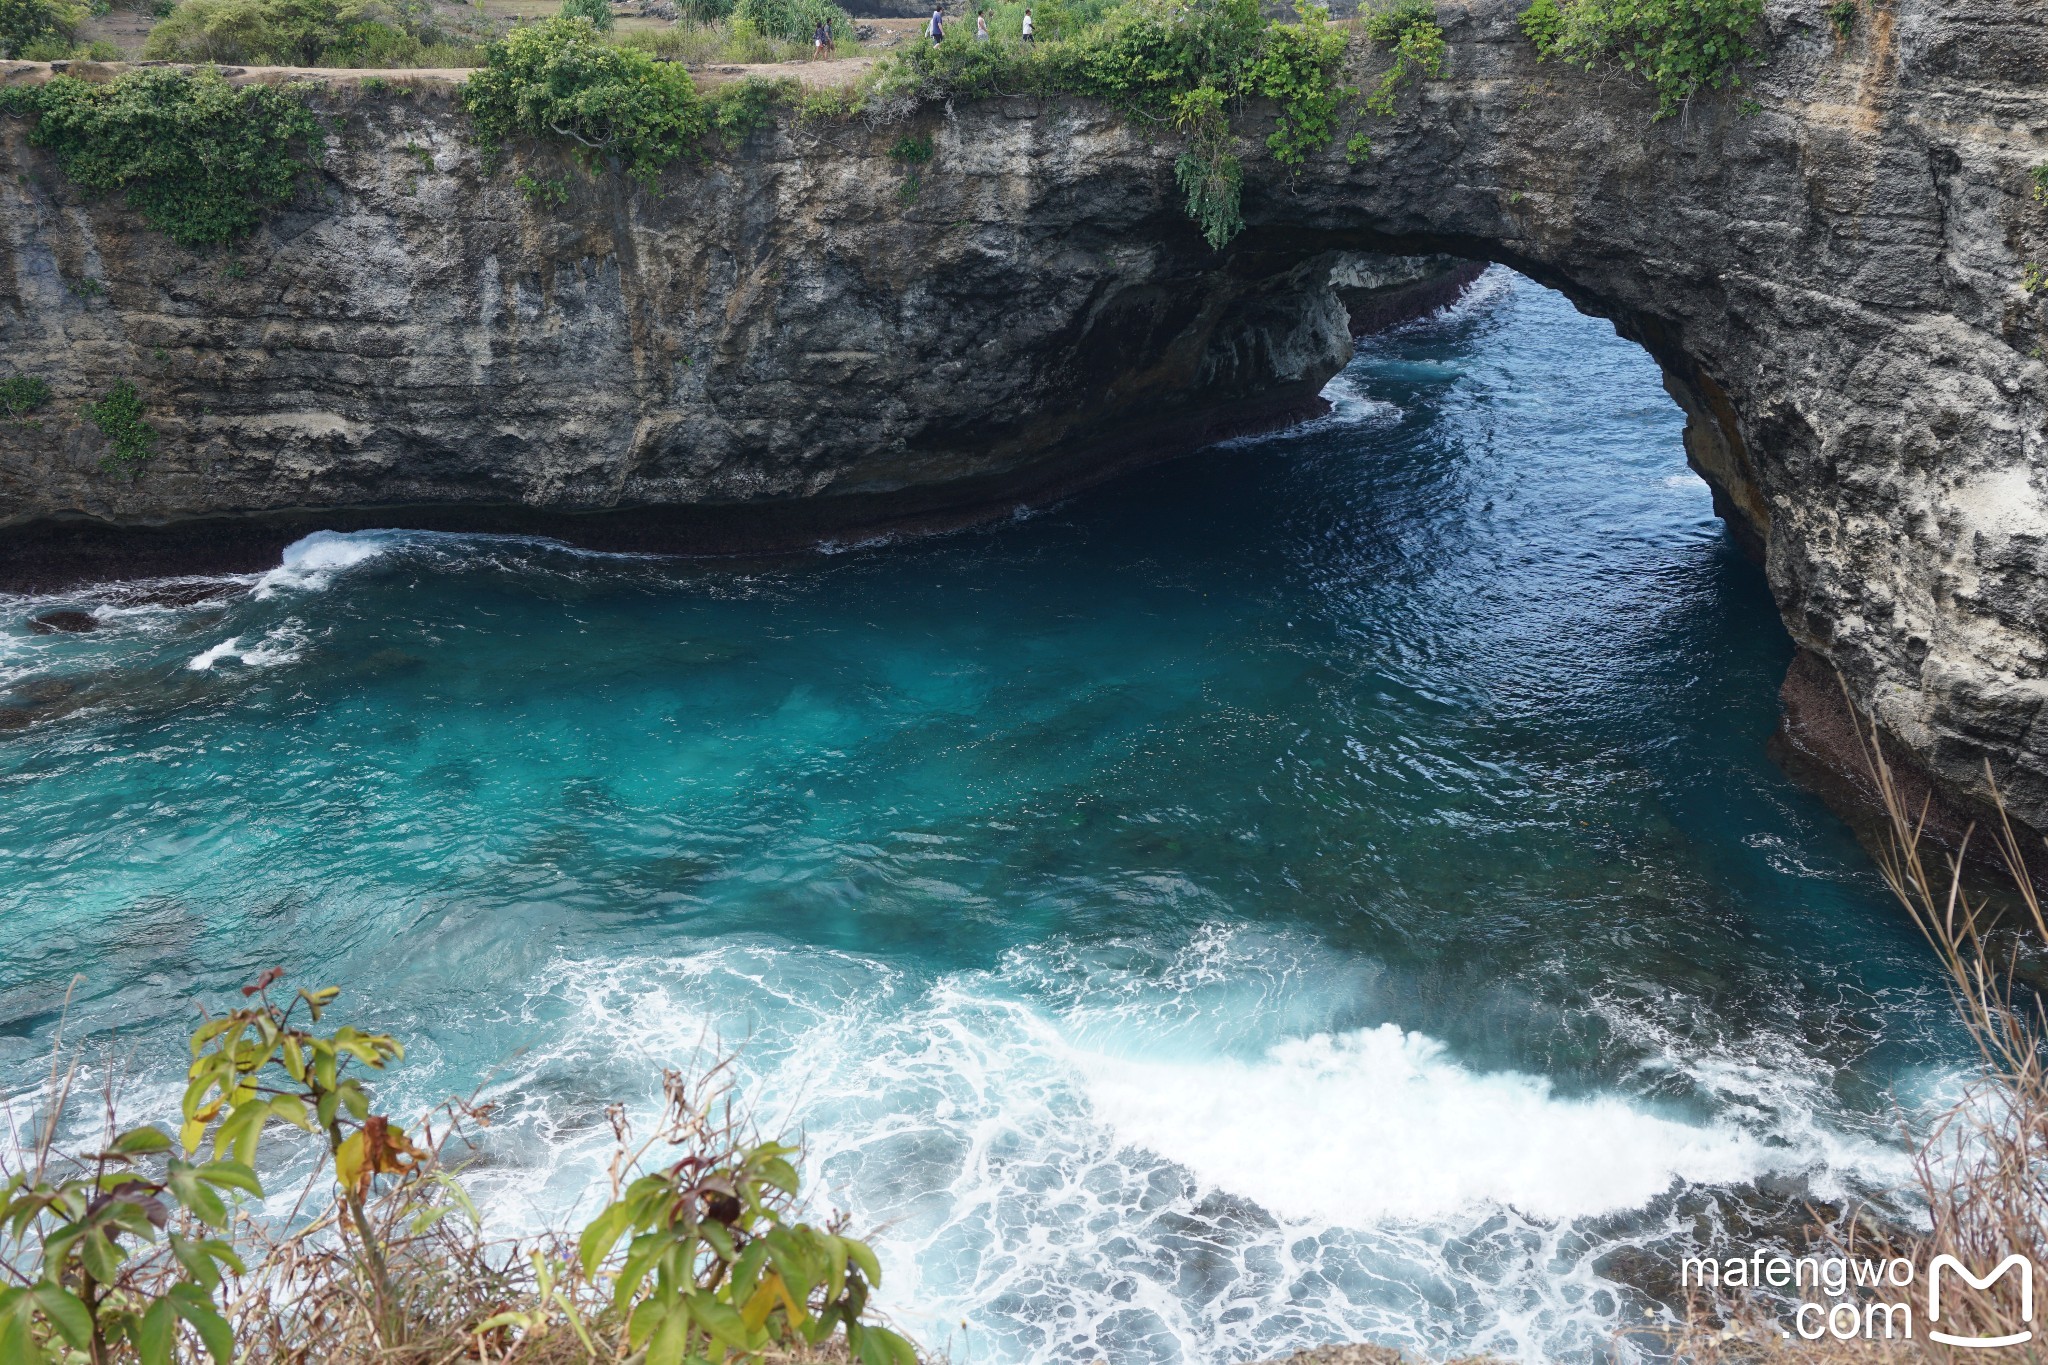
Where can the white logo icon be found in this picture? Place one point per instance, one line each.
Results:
(2026, 1269)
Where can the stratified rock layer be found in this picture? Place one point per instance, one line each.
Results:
(800, 340)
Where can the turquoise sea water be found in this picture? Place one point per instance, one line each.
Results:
(1328, 888)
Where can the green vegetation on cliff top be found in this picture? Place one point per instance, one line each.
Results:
(202, 160)
(1679, 46)
(27, 27)
(1176, 66)
(307, 33)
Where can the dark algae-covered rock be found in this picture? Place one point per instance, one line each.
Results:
(68, 622)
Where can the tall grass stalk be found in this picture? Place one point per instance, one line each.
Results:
(1980, 1170)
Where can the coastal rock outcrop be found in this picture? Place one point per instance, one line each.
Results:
(1837, 266)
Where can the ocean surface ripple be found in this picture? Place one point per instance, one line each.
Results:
(1329, 888)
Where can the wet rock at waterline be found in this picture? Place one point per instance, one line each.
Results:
(67, 622)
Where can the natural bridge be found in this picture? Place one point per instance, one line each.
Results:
(800, 340)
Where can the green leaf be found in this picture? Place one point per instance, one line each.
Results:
(643, 1321)
(213, 1329)
(210, 1030)
(639, 1260)
(354, 1100)
(236, 1137)
(17, 1345)
(193, 1257)
(66, 1312)
(747, 1269)
(719, 1319)
(670, 1338)
(100, 1257)
(224, 1253)
(899, 1347)
(204, 1204)
(835, 1266)
(137, 1141)
(719, 1239)
(292, 1110)
(602, 1235)
(871, 1269)
(231, 1175)
(780, 1174)
(157, 1334)
(429, 1218)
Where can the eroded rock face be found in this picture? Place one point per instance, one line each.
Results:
(804, 327)
(794, 342)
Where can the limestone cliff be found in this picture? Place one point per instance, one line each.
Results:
(797, 341)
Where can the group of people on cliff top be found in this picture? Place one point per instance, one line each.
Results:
(936, 28)
(821, 36)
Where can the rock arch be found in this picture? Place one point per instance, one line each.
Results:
(1827, 262)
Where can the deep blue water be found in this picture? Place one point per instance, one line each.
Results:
(1328, 888)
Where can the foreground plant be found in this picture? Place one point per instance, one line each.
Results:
(116, 1247)
(714, 1264)
(132, 1250)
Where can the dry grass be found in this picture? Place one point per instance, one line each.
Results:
(708, 44)
(1981, 1172)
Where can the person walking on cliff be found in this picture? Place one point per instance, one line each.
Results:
(981, 27)
(1027, 25)
(937, 27)
(821, 41)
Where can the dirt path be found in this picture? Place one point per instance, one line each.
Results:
(838, 73)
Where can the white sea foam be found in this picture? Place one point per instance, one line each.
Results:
(1381, 1123)
(311, 562)
(1119, 1153)
(1352, 406)
(1494, 284)
(279, 646)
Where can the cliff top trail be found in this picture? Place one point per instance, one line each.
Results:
(838, 72)
(811, 336)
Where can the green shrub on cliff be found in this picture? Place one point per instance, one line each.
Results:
(1679, 46)
(199, 159)
(793, 21)
(302, 33)
(714, 42)
(26, 25)
(559, 78)
(598, 12)
(22, 394)
(1208, 172)
(1411, 29)
(1297, 68)
(131, 441)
